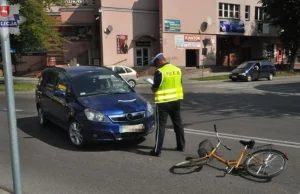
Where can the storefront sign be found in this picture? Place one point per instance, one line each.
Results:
(232, 27)
(143, 43)
(122, 44)
(76, 2)
(187, 41)
(172, 25)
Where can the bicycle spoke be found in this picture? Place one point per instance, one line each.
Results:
(265, 163)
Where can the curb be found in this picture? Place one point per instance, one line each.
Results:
(4, 191)
(195, 81)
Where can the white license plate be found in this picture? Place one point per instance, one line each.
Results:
(234, 76)
(132, 128)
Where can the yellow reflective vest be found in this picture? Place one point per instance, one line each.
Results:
(171, 86)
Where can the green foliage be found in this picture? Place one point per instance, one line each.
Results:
(38, 28)
(285, 16)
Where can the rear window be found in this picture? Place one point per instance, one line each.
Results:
(128, 70)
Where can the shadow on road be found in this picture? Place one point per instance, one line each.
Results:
(57, 137)
(228, 105)
(241, 174)
(283, 88)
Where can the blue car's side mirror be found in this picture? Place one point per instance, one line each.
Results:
(59, 94)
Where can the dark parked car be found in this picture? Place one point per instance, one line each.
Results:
(93, 104)
(253, 70)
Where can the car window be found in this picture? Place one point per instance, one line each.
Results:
(99, 83)
(245, 65)
(119, 70)
(62, 83)
(49, 80)
(128, 70)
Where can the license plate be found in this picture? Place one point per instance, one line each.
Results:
(234, 76)
(132, 128)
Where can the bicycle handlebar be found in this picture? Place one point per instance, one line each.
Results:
(228, 148)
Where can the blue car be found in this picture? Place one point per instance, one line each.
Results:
(93, 104)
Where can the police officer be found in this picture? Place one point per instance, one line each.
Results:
(168, 92)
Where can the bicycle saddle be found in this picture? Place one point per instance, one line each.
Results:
(249, 144)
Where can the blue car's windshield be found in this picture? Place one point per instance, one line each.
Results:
(99, 83)
(245, 65)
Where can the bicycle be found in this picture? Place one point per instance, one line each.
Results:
(252, 153)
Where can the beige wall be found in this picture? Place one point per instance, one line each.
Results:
(191, 14)
(131, 24)
(136, 4)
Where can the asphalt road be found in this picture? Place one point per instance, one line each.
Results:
(268, 111)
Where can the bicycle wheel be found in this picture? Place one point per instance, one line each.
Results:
(260, 162)
(191, 163)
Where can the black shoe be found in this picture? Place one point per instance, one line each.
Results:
(180, 149)
(153, 153)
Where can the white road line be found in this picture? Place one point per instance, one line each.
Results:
(17, 110)
(240, 137)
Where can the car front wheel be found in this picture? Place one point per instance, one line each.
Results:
(132, 83)
(75, 134)
(249, 78)
(270, 76)
(41, 117)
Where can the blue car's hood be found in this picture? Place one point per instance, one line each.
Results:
(115, 103)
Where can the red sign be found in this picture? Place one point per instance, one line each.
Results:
(188, 38)
(4, 11)
(121, 42)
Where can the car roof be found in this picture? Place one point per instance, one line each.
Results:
(253, 61)
(77, 69)
(118, 66)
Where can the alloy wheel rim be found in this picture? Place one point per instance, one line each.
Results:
(41, 119)
(75, 134)
(271, 76)
(131, 84)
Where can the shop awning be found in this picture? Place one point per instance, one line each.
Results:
(151, 37)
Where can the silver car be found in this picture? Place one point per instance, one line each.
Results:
(128, 74)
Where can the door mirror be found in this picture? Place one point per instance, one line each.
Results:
(59, 94)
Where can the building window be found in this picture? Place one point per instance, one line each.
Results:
(142, 56)
(259, 14)
(229, 10)
(247, 12)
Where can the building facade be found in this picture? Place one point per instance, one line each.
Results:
(131, 32)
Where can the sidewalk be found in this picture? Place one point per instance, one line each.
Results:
(3, 191)
(187, 77)
(22, 80)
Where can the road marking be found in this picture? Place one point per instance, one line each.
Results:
(17, 110)
(241, 137)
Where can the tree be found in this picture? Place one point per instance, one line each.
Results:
(285, 16)
(37, 31)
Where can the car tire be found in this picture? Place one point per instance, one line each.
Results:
(270, 77)
(42, 120)
(132, 83)
(75, 135)
(249, 78)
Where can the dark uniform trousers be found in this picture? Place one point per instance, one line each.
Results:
(163, 110)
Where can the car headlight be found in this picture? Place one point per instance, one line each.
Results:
(150, 110)
(93, 115)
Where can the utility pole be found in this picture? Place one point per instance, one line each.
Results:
(9, 16)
